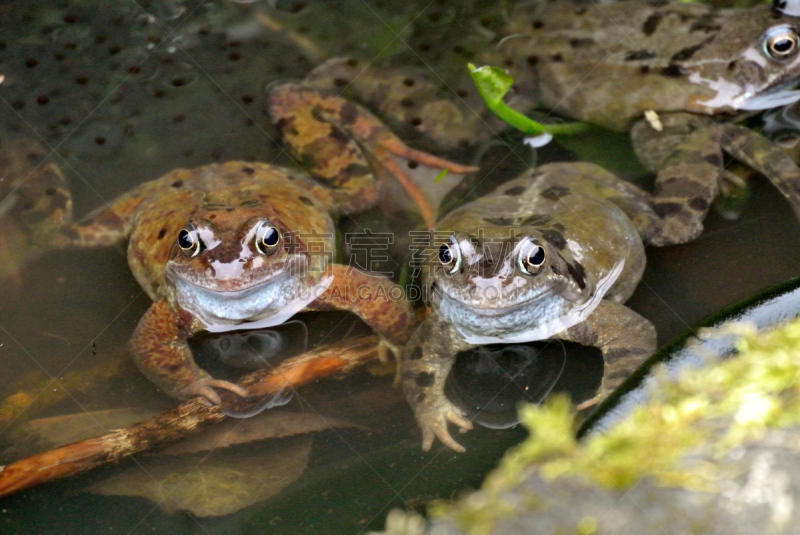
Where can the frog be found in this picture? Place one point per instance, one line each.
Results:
(247, 245)
(677, 76)
(34, 200)
(550, 255)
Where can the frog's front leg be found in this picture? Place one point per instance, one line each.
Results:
(625, 338)
(161, 352)
(379, 302)
(424, 368)
(329, 132)
(765, 157)
(687, 156)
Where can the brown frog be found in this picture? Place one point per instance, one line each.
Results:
(243, 245)
(676, 75)
(552, 254)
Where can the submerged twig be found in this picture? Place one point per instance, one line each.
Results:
(187, 418)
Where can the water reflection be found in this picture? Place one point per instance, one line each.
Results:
(488, 382)
(252, 350)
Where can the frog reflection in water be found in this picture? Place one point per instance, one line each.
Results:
(244, 245)
(697, 67)
(551, 254)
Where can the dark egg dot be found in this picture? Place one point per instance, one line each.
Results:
(407, 103)
(177, 184)
(178, 82)
(30, 63)
(179, 118)
(114, 50)
(42, 100)
(415, 121)
(70, 19)
(412, 164)
(463, 93)
(533, 60)
(161, 233)
(247, 99)
(134, 69)
(234, 56)
(81, 80)
(248, 171)
(339, 82)
(409, 82)
(352, 62)
(50, 191)
(537, 25)
(100, 140)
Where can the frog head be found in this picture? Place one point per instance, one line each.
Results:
(229, 267)
(504, 285)
(750, 60)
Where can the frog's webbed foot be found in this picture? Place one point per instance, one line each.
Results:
(205, 386)
(433, 417)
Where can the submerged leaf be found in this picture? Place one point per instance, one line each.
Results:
(216, 485)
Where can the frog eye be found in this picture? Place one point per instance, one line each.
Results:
(189, 241)
(450, 255)
(267, 238)
(781, 43)
(531, 257)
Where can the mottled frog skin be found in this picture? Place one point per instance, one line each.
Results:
(243, 245)
(551, 254)
(697, 67)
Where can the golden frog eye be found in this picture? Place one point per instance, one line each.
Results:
(267, 238)
(450, 255)
(781, 43)
(531, 257)
(189, 241)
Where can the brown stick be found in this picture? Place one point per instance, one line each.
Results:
(185, 419)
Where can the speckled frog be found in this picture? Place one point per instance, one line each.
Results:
(551, 254)
(243, 245)
(693, 67)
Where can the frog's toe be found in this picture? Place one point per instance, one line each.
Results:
(386, 346)
(205, 388)
(435, 426)
(590, 402)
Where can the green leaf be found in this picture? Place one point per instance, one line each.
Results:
(493, 83)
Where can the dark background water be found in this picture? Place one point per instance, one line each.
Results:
(121, 92)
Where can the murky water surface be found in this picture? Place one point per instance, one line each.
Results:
(122, 92)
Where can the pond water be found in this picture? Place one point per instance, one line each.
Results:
(120, 92)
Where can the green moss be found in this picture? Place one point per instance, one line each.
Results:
(716, 407)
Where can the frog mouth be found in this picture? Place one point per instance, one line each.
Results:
(268, 303)
(537, 318)
(777, 99)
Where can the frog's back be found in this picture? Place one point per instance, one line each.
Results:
(580, 59)
(233, 191)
